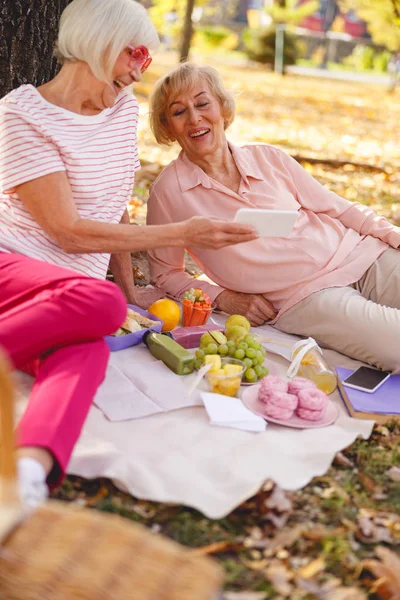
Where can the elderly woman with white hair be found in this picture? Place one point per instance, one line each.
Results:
(336, 277)
(67, 164)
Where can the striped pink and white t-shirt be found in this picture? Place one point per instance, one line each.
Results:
(98, 153)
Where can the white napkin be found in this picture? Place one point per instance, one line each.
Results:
(225, 411)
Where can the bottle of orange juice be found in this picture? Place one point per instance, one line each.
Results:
(309, 362)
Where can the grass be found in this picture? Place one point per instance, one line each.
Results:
(328, 513)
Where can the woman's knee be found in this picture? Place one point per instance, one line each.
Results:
(98, 307)
(109, 305)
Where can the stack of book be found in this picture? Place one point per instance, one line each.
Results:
(381, 405)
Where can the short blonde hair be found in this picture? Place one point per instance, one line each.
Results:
(182, 79)
(96, 32)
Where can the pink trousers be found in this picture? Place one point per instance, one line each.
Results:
(52, 323)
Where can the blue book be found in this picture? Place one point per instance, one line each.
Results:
(381, 405)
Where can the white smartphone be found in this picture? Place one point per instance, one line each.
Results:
(268, 223)
(366, 379)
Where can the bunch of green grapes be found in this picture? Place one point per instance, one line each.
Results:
(249, 350)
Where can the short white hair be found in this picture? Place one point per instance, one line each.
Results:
(96, 32)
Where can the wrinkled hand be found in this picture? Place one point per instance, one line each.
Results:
(144, 296)
(215, 233)
(255, 307)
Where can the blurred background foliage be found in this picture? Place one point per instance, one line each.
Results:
(248, 27)
(382, 17)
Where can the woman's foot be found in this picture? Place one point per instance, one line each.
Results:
(33, 490)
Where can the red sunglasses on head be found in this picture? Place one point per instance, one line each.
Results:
(141, 57)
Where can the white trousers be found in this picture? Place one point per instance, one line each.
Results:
(361, 320)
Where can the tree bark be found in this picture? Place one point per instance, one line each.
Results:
(28, 31)
(187, 31)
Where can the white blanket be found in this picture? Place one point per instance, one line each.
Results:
(177, 456)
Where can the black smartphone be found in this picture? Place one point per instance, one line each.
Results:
(366, 379)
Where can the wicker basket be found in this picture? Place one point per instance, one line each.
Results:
(61, 552)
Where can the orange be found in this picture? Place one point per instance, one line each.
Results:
(168, 311)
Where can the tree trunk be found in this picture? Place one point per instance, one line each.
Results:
(28, 31)
(187, 31)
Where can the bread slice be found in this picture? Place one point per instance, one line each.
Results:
(144, 322)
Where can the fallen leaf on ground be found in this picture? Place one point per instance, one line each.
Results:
(217, 548)
(335, 491)
(100, 495)
(283, 539)
(274, 505)
(137, 273)
(345, 593)
(330, 590)
(368, 484)
(382, 430)
(313, 568)
(280, 577)
(386, 572)
(375, 527)
(243, 596)
(320, 532)
(393, 473)
(343, 461)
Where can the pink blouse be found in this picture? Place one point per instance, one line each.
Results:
(333, 243)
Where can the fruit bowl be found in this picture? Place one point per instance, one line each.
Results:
(226, 380)
(248, 349)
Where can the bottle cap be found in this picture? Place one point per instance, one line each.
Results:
(150, 331)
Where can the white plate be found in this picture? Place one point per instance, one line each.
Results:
(250, 399)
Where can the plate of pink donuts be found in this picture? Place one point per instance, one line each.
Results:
(327, 416)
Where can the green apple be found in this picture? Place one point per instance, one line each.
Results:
(235, 333)
(212, 337)
(237, 320)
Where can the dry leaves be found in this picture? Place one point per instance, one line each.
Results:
(342, 460)
(375, 527)
(243, 596)
(331, 590)
(393, 473)
(386, 573)
(274, 504)
(280, 577)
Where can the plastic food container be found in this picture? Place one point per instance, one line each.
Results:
(189, 337)
(132, 339)
(198, 316)
(226, 383)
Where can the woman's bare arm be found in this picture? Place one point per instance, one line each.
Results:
(121, 268)
(49, 200)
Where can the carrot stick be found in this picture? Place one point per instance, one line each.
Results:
(187, 306)
(197, 316)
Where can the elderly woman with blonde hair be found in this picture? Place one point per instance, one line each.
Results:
(67, 165)
(335, 278)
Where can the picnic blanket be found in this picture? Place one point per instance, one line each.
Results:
(164, 448)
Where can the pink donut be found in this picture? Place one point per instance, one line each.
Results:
(282, 399)
(312, 399)
(300, 383)
(277, 412)
(272, 383)
(263, 396)
(310, 415)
